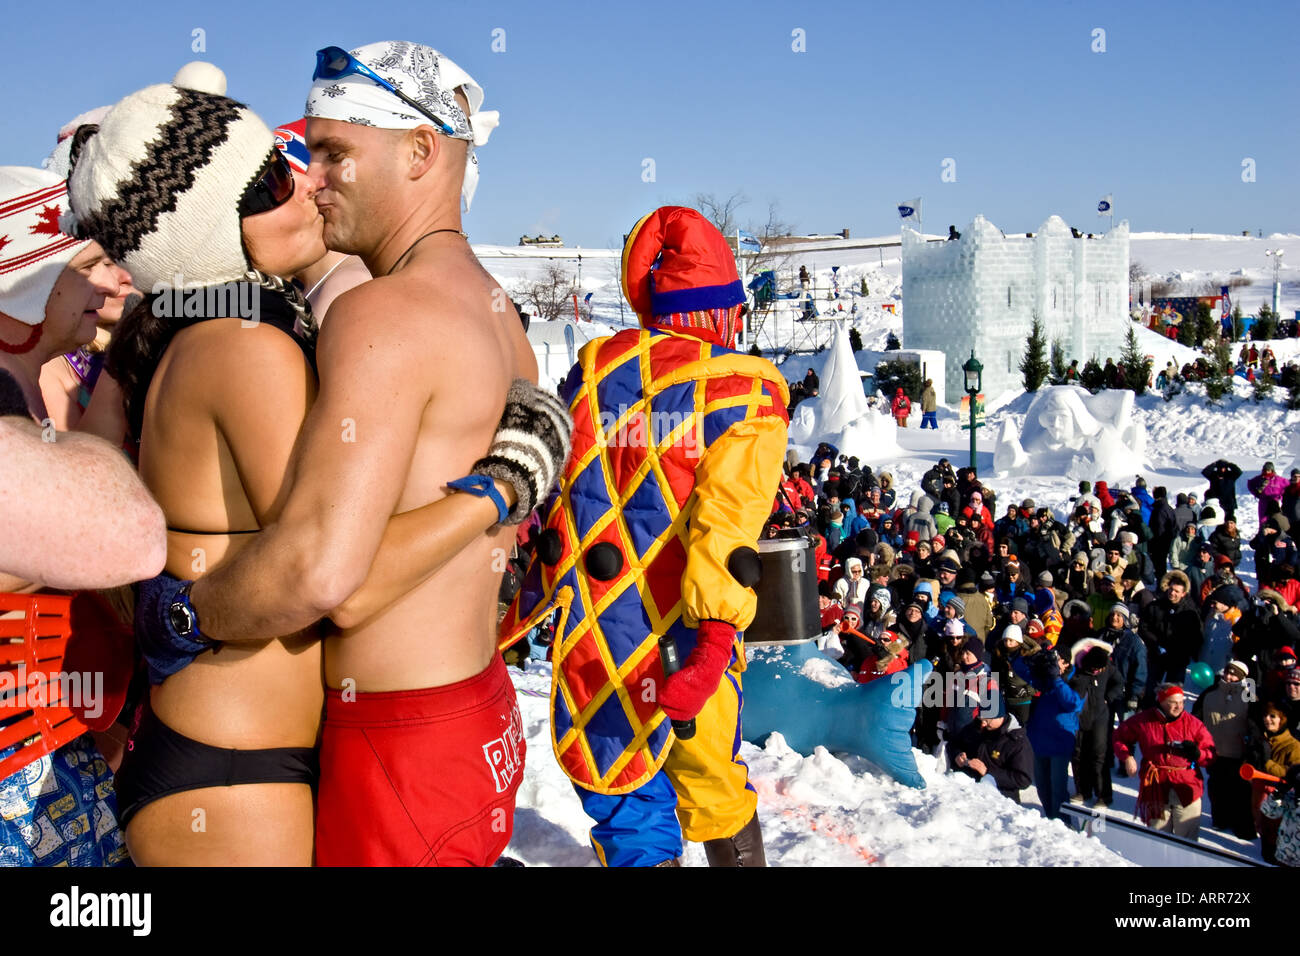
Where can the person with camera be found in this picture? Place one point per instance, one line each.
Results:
(1174, 745)
(1053, 726)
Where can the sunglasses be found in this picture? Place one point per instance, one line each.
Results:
(272, 188)
(334, 62)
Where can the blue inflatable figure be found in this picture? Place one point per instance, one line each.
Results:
(794, 690)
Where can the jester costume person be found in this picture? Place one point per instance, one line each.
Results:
(677, 448)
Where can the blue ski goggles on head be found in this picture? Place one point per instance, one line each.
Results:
(334, 62)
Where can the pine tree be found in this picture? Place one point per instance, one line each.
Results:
(1219, 382)
(1263, 386)
(1057, 374)
(1092, 376)
(1238, 330)
(855, 340)
(1137, 367)
(1034, 366)
(1206, 328)
(864, 286)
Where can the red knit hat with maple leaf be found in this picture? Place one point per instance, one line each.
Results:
(33, 252)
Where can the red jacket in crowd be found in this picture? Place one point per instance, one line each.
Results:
(1162, 771)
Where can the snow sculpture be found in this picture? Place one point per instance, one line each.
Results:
(1072, 433)
(840, 414)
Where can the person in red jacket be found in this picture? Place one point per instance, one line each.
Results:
(889, 656)
(901, 407)
(1174, 746)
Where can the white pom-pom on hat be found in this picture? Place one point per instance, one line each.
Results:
(201, 77)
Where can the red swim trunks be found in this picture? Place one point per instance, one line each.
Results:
(420, 777)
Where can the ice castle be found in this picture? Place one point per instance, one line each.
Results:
(981, 292)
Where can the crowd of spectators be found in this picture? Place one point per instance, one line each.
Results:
(1073, 640)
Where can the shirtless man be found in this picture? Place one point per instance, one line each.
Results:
(393, 424)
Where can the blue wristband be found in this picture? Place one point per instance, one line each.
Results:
(481, 486)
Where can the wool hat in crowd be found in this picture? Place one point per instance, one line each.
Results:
(954, 628)
(854, 609)
(957, 604)
(33, 250)
(987, 582)
(976, 646)
(1045, 578)
(1033, 628)
(154, 182)
(1080, 560)
(1237, 667)
(997, 706)
(1013, 634)
(1131, 573)
(1021, 605)
(1169, 691)
(882, 596)
(1120, 609)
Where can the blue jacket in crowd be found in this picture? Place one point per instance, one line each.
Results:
(1054, 721)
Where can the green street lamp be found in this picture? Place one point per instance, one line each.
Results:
(974, 370)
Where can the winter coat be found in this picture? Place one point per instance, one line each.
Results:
(978, 616)
(1163, 526)
(1180, 552)
(1015, 688)
(1291, 504)
(1226, 714)
(1266, 488)
(929, 400)
(1222, 476)
(1102, 692)
(1161, 771)
(1283, 753)
(921, 521)
(1145, 502)
(1004, 751)
(1130, 660)
(1287, 809)
(901, 405)
(1054, 721)
(1176, 630)
(1216, 642)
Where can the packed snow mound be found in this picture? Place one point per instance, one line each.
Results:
(1069, 432)
(820, 810)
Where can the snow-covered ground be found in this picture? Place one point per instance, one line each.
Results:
(825, 809)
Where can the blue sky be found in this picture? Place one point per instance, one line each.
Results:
(1034, 121)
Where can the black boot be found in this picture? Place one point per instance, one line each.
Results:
(743, 849)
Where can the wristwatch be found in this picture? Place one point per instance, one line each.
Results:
(185, 620)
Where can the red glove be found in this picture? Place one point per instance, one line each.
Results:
(686, 692)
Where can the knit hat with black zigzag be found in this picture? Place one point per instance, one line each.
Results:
(530, 448)
(158, 182)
